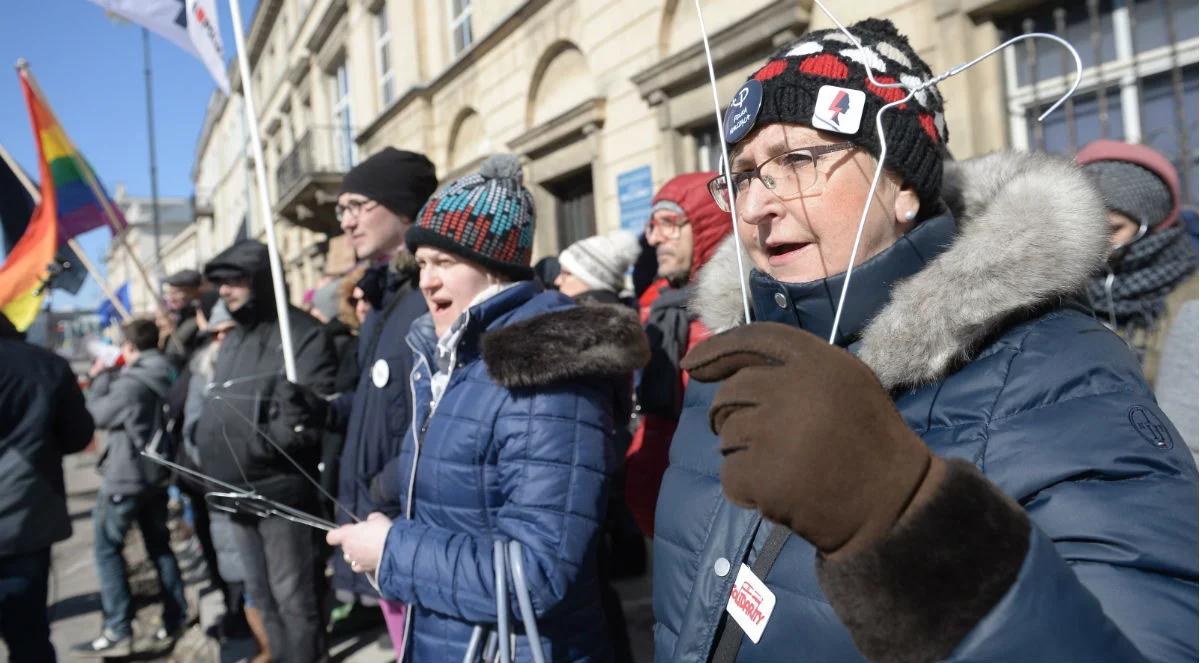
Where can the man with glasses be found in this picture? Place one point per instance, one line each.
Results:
(379, 199)
(685, 228)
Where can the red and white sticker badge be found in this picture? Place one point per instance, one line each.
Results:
(750, 603)
(838, 109)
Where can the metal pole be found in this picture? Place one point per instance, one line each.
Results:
(1039, 133)
(1182, 128)
(260, 172)
(153, 151)
(1060, 26)
(1093, 7)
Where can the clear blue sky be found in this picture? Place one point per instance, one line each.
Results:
(91, 71)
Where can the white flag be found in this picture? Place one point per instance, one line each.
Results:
(189, 24)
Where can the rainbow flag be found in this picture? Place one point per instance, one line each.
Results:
(81, 199)
(73, 202)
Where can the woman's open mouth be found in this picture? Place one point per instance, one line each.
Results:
(781, 254)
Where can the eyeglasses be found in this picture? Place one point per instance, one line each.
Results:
(668, 226)
(786, 175)
(353, 209)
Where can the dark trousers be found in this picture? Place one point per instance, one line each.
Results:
(282, 561)
(201, 525)
(24, 623)
(112, 518)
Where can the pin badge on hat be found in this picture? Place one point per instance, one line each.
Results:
(838, 109)
(743, 111)
(380, 373)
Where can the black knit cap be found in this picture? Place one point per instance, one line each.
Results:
(916, 131)
(397, 179)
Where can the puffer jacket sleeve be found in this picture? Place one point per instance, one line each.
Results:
(1104, 558)
(553, 459)
(1111, 568)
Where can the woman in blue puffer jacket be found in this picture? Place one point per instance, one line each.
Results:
(967, 466)
(517, 395)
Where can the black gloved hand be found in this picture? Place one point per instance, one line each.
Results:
(301, 407)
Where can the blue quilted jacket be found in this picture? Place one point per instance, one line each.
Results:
(964, 322)
(520, 447)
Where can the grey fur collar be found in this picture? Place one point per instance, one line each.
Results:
(1031, 229)
(593, 341)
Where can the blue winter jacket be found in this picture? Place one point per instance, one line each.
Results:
(519, 447)
(379, 411)
(965, 323)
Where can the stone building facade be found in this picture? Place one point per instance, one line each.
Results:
(605, 101)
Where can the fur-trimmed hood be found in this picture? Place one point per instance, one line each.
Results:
(1031, 229)
(592, 341)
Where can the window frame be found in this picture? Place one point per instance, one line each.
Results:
(341, 109)
(384, 68)
(1126, 73)
(456, 24)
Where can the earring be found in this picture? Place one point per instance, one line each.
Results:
(910, 215)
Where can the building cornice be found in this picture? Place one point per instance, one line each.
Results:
(750, 39)
(260, 28)
(569, 126)
(326, 25)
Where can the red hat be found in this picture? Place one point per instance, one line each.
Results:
(709, 224)
(1141, 155)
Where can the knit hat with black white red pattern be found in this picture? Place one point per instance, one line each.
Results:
(821, 81)
(485, 217)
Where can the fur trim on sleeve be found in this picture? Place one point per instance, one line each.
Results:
(913, 597)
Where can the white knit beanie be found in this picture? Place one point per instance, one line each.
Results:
(601, 261)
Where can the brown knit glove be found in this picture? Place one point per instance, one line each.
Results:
(809, 436)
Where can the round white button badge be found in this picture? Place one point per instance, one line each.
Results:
(380, 373)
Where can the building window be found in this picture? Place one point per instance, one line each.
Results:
(460, 25)
(383, 58)
(1139, 84)
(343, 127)
(708, 149)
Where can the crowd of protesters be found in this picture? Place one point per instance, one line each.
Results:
(984, 455)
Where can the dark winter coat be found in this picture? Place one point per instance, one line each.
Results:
(380, 414)
(241, 408)
(965, 323)
(42, 418)
(519, 447)
(127, 404)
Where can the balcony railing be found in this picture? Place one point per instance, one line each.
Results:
(322, 150)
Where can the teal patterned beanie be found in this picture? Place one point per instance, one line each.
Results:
(486, 217)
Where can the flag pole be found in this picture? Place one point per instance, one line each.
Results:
(153, 155)
(91, 268)
(90, 179)
(260, 173)
(79, 252)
